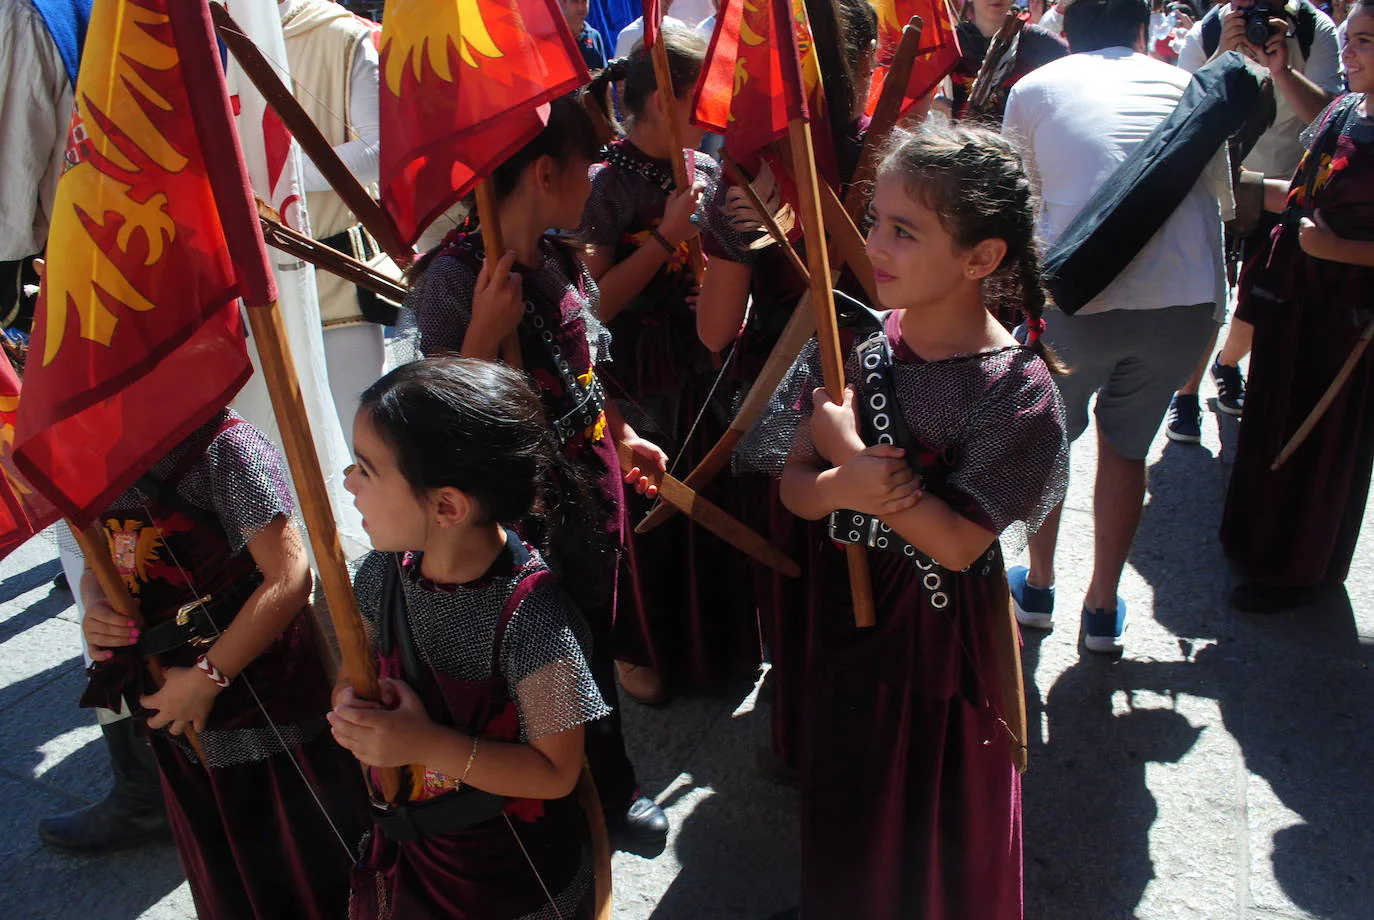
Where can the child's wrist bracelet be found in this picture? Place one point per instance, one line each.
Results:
(662, 241)
(204, 665)
(472, 758)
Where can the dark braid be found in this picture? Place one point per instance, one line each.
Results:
(686, 52)
(977, 183)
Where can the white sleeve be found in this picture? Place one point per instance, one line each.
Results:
(363, 154)
(1193, 56)
(625, 41)
(35, 106)
(1324, 66)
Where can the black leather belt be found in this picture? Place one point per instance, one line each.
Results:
(452, 811)
(201, 621)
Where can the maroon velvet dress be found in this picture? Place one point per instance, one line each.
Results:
(910, 803)
(775, 288)
(662, 379)
(1037, 48)
(560, 313)
(252, 840)
(1297, 527)
(501, 658)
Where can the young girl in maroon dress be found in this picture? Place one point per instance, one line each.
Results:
(538, 291)
(637, 225)
(205, 543)
(482, 651)
(1292, 532)
(910, 800)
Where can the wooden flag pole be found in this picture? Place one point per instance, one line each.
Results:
(494, 247)
(1327, 399)
(96, 549)
(818, 262)
(885, 116)
(278, 95)
(663, 76)
(279, 372)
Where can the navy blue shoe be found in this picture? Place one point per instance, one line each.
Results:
(1185, 420)
(1103, 629)
(1230, 388)
(1034, 606)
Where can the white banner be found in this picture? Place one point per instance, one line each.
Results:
(274, 167)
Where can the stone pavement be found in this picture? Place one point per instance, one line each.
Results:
(1220, 770)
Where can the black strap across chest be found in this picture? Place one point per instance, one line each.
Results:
(587, 401)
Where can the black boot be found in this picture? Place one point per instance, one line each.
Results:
(132, 814)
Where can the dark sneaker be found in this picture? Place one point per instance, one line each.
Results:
(1103, 629)
(1185, 420)
(1034, 606)
(1230, 388)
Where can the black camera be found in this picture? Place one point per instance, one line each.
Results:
(1257, 29)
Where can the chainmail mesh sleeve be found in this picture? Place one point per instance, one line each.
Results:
(609, 209)
(722, 238)
(544, 661)
(1014, 455)
(242, 479)
(441, 301)
(784, 426)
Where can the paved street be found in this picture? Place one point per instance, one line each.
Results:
(1220, 770)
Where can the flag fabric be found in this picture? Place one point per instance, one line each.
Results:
(936, 54)
(273, 159)
(653, 21)
(23, 511)
(138, 338)
(462, 85)
(740, 93)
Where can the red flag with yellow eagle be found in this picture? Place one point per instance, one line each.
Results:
(936, 55)
(462, 83)
(138, 339)
(23, 511)
(740, 93)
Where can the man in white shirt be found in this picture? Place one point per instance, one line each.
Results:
(1303, 56)
(1079, 118)
(633, 33)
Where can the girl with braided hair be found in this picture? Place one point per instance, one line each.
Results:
(637, 225)
(910, 799)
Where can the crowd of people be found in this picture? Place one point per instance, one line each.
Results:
(510, 601)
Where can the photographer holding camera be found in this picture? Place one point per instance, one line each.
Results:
(1297, 43)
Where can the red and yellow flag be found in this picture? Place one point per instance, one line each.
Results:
(462, 83)
(23, 511)
(936, 55)
(741, 93)
(138, 338)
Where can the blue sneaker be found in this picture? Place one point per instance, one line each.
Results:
(1103, 629)
(1185, 420)
(1034, 606)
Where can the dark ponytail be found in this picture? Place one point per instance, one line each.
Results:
(686, 52)
(977, 183)
(478, 426)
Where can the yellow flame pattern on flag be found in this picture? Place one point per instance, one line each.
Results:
(80, 273)
(420, 30)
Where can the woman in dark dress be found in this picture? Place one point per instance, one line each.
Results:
(1036, 48)
(1293, 531)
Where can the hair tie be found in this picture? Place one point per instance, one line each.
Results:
(1035, 328)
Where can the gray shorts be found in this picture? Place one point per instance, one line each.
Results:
(1133, 360)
